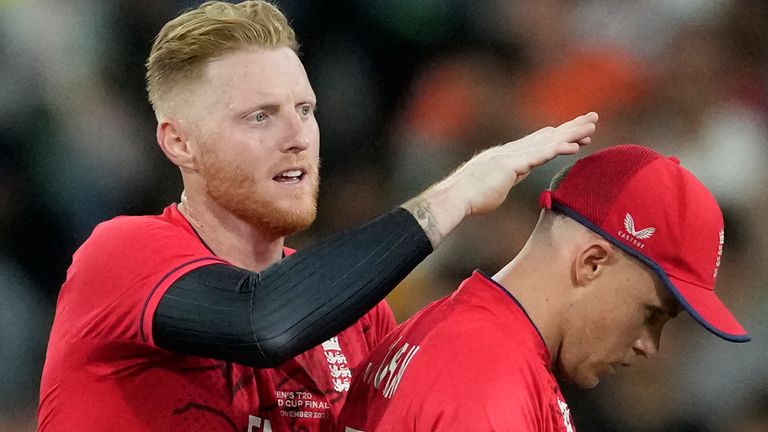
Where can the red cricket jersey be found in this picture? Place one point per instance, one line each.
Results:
(103, 371)
(472, 361)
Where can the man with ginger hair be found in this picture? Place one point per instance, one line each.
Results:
(200, 318)
(627, 239)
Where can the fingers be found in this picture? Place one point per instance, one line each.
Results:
(568, 148)
(544, 156)
(574, 125)
(590, 117)
(576, 133)
(565, 139)
(549, 142)
(483, 182)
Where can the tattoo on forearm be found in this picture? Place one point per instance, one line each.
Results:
(421, 209)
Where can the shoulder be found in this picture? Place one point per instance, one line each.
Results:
(484, 382)
(125, 236)
(133, 228)
(481, 353)
(134, 250)
(486, 377)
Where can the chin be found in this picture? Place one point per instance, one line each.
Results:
(282, 222)
(295, 222)
(585, 381)
(270, 217)
(589, 384)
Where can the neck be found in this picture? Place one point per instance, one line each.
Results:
(535, 282)
(228, 236)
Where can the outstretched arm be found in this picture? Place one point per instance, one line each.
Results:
(263, 319)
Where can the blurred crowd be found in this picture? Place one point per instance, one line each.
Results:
(407, 90)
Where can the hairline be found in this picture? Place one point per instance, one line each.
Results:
(163, 81)
(199, 76)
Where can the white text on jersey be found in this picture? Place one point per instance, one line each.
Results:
(392, 367)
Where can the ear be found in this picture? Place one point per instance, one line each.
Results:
(592, 260)
(174, 141)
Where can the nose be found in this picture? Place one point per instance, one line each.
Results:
(647, 345)
(296, 137)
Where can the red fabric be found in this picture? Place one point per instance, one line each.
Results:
(594, 183)
(472, 361)
(103, 372)
(657, 210)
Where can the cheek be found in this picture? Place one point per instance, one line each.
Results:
(251, 149)
(627, 330)
(613, 329)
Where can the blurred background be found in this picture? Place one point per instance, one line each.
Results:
(407, 90)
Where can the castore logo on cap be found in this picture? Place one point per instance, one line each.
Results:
(642, 234)
(634, 236)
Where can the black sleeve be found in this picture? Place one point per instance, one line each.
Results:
(263, 319)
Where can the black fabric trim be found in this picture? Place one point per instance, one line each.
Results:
(262, 319)
(157, 285)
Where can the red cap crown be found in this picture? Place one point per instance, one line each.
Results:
(657, 211)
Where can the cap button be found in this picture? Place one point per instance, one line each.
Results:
(675, 159)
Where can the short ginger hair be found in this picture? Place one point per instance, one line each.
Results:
(186, 44)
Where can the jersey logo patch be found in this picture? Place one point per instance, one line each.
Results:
(341, 376)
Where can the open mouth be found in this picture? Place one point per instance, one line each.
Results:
(290, 177)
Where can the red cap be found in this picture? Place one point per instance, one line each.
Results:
(658, 212)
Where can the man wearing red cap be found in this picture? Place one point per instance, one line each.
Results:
(627, 239)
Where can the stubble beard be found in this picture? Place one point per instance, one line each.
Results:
(237, 191)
